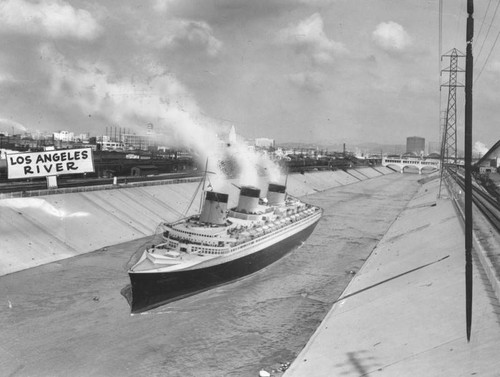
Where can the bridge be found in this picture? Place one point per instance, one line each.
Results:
(402, 163)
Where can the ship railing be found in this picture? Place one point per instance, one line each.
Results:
(211, 250)
(188, 241)
(179, 221)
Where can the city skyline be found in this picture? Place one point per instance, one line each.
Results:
(313, 71)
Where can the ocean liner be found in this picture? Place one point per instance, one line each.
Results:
(220, 245)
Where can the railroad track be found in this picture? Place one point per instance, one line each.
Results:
(41, 184)
(488, 205)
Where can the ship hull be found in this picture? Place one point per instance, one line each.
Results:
(153, 289)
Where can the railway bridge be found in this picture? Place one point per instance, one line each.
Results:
(402, 163)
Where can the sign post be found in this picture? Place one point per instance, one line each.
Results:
(51, 179)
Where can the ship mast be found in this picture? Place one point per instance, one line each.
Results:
(203, 188)
(202, 183)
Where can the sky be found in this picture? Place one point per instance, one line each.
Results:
(307, 71)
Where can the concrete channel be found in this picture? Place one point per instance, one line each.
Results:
(404, 313)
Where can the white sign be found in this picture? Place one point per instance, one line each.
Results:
(47, 163)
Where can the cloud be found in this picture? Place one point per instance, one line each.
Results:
(48, 18)
(308, 81)
(161, 5)
(179, 33)
(309, 38)
(416, 86)
(494, 67)
(6, 77)
(391, 37)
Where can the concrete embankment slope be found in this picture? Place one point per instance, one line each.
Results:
(404, 312)
(44, 229)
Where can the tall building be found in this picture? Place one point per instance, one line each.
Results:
(416, 145)
(231, 138)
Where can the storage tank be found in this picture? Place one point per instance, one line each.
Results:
(276, 194)
(215, 208)
(249, 199)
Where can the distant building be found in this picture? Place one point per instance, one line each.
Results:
(39, 135)
(263, 142)
(231, 138)
(83, 137)
(228, 138)
(64, 136)
(491, 159)
(415, 145)
(133, 141)
(111, 146)
(144, 170)
(279, 153)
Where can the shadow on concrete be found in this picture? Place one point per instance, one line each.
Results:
(358, 362)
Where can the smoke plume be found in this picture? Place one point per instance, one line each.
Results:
(7, 124)
(153, 96)
(479, 149)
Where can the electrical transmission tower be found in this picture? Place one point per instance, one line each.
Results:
(449, 132)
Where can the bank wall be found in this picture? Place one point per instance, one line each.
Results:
(44, 229)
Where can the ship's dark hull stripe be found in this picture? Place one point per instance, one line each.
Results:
(150, 290)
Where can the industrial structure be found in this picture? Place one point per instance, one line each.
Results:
(490, 162)
(415, 145)
(449, 129)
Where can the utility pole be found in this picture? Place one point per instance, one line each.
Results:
(468, 167)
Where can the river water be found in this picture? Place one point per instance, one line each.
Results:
(69, 318)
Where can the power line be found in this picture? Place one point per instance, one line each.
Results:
(482, 23)
(488, 31)
(440, 47)
(462, 5)
(486, 61)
